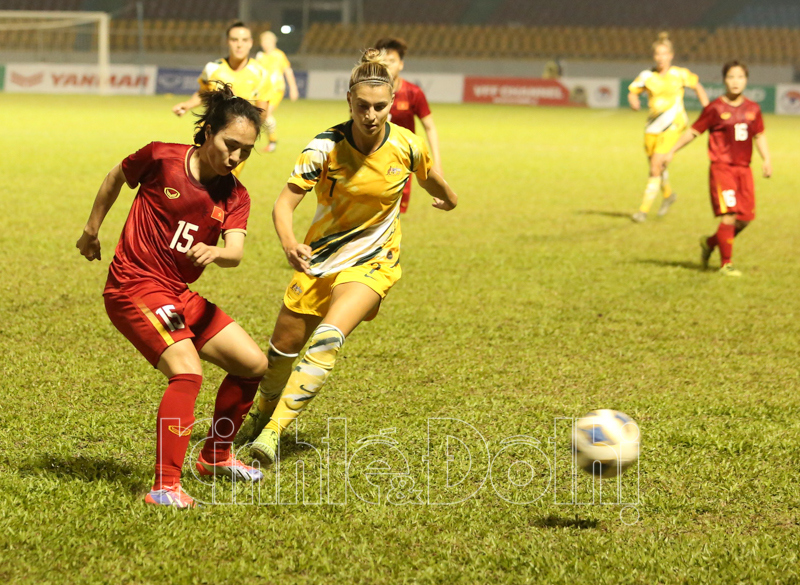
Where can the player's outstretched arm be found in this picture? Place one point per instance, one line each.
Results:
(433, 140)
(183, 107)
(230, 256)
(702, 96)
(297, 254)
(292, 82)
(763, 150)
(634, 101)
(685, 139)
(443, 196)
(89, 243)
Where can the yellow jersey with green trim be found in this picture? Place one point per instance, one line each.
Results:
(358, 195)
(275, 62)
(251, 82)
(665, 97)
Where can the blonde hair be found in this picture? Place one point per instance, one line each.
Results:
(663, 39)
(371, 69)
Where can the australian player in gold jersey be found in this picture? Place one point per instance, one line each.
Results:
(664, 85)
(247, 78)
(350, 257)
(280, 73)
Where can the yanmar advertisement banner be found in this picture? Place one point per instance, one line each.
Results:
(78, 78)
(575, 92)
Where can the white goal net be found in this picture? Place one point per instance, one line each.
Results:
(30, 36)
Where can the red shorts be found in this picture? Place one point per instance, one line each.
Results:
(732, 191)
(152, 318)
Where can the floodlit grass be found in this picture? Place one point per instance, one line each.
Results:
(536, 299)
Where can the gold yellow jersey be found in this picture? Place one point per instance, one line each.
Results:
(665, 97)
(250, 82)
(358, 195)
(275, 63)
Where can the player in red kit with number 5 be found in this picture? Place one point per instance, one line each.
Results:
(734, 123)
(187, 198)
(409, 101)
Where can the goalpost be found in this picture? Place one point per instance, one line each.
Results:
(42, 34)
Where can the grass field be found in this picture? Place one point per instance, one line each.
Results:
(537, 298)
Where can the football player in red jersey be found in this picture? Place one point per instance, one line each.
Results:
(409, 101)
(734, 123)
(187, 198)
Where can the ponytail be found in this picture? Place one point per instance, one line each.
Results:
(220, 108)
(663, 39)
(371, 70)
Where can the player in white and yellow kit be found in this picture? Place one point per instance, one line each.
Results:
(246, 77)
(664, 85)
(350, 257)
(280, 72)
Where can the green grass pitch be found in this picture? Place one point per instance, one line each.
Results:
(536, 300)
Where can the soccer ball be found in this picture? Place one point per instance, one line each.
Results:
(605, 442)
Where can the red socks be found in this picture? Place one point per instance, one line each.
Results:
(174, 427)
(176, 417)
(724, 239)
(234, 399)
(725, 235)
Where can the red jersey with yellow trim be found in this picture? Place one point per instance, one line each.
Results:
(731, 130)
(172, 211)
(409, 101)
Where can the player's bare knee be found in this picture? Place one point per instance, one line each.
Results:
(257, 365)
(656, 166)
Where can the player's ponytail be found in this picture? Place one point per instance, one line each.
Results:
(663, 40)
(371, 69)
(220, 108)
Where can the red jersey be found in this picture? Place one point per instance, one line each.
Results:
(409, 101)
(171, 212)
(731, 130)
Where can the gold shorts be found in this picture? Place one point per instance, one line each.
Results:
(275, 98)
(661, 143)
(312, 296)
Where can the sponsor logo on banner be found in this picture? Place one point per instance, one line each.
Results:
(788, 100)
(79, 78)
(595, 92)
(27, 80)
(439, 88)
(180, 81)
(520, 91)
(763, 95)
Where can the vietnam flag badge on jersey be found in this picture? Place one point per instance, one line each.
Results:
(218, 214)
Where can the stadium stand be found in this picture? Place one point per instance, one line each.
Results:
(763, 31)
(410, 11)
(159, 35)
(769, 13)
(153, 9)
(41, 4)
(627, 13)
(756, 45)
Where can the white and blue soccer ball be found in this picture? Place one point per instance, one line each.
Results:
(605, 442)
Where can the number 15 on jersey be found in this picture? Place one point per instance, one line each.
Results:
(184, 237)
